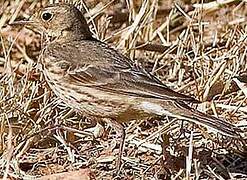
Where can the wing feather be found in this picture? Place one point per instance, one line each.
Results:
(106, 69)
(126, 82)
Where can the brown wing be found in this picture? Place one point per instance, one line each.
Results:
(94, 64)
(127, 82)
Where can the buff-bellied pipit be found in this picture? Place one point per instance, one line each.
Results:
(97, 80)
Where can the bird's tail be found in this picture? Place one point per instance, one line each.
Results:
(182, 111)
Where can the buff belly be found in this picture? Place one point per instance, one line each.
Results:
(93, 102)
(102, 104)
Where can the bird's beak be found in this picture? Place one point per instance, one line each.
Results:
(29, 24)
(22, 22)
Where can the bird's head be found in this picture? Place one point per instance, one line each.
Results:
(59, 20)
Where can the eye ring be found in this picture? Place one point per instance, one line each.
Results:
(46, 16)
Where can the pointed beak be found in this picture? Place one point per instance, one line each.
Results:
(22, 22)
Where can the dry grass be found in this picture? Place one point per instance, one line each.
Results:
(198, 49)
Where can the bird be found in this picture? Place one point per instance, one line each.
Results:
(97, 80)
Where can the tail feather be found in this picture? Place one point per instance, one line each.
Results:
(182, 111)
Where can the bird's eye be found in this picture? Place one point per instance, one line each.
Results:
(46, 16)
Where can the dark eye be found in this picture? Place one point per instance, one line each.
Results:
(46, 16)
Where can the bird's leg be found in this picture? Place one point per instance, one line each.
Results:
(121, 146)
(120, 131)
